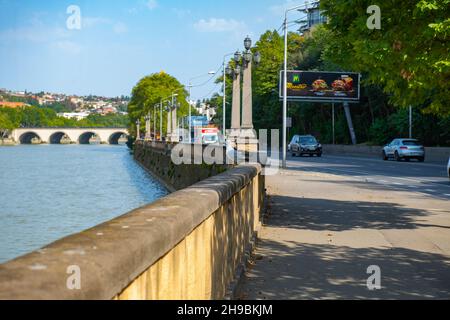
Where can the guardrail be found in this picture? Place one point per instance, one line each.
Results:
(432, 154)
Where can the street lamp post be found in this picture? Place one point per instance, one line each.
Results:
(147, 127)
(247, 101)
(190, 104)
(169, 122)
(246, 137)
(226, 70)
(236, 98)
(285, 79)
(174, 104)
(138, 129)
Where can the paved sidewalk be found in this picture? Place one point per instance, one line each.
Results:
(323, 232)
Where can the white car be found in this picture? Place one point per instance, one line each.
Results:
(448, 168)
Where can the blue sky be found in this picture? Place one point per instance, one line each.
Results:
(121, 41)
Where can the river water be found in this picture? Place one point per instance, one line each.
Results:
(51, 191)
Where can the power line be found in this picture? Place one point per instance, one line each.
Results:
(207, 81)
(210, 93)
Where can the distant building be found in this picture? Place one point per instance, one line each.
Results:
(74, 115)
(108, 110)
(311, 16)
(18, 94)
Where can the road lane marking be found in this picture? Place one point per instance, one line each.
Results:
(375, 173)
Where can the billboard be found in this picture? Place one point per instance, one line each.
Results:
(318, 86)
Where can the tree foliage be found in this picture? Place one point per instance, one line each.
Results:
(37, 117)
(409, 57)
(348, 45)
(149, 92)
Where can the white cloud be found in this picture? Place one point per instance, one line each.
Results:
(220, 25)
(120, 28)
(151, 4)
(68, 47)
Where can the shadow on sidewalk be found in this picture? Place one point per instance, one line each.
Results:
(305, 271)
(289, 269)
(322, 214)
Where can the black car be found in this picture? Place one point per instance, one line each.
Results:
(301, 145)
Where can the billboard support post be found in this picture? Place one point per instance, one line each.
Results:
(350, 122)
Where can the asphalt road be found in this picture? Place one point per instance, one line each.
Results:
(426, 178)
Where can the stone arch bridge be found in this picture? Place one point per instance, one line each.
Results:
(68, 135)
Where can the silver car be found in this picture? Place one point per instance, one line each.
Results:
(406, 149)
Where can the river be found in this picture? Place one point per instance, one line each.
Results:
(51, 191)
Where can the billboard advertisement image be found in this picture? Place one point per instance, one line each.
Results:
(322, 86)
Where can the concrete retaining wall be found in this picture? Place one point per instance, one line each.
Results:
(187, 245)
(438, 155)
(156, 158)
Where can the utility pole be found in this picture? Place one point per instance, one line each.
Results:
(190, 114)
(285, 79)
(285, 89)
(224, 98)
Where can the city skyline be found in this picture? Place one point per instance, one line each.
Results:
(121, 42)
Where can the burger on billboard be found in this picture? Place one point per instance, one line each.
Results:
(322, 86)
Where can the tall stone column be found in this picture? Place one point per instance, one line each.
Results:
(247, 140)
(169, 125)
(234, 132)
(236, 102)
(175, 137)
(138, 129)
(148, 133)
(247, 103)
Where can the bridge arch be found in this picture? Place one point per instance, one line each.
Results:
(28, 137)
(85, 137)
(57, 137)
(115, 137)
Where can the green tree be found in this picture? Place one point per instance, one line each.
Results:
(149, 91)
(6, 125)
(409, 56)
